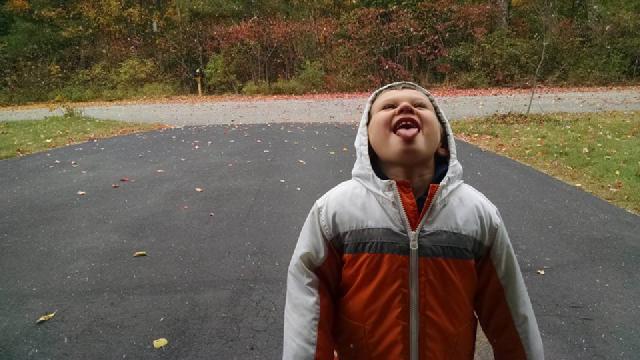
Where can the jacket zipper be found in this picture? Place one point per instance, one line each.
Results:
(414, 286)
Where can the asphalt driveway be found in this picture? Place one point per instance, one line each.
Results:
(213, 281)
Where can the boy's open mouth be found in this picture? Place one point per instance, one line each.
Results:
(406, 128)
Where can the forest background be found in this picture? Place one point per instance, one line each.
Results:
(79, 50)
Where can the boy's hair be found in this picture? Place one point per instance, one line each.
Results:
(410, 86)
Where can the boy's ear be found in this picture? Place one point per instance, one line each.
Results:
(442, 151)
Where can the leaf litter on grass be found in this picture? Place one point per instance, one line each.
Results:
(562, 145)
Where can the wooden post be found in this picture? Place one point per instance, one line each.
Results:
(198, 77)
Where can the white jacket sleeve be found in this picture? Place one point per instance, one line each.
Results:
(502, 301)
(311, 284)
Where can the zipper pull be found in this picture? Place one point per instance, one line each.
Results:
(413, 242)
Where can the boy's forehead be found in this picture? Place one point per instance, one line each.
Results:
(401, 94)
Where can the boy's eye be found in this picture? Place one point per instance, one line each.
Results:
(388, 106)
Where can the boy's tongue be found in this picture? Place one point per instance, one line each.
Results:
(407, 133)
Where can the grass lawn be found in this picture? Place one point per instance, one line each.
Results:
(598, 152)
(29, 136)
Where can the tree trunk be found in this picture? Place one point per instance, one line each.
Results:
(503, 12)
(535, 77)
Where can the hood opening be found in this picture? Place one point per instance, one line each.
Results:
(441, 163)
(367, 170)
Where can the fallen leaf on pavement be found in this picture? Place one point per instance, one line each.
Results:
(160, 170)
(81, 192)
(140, 253)
(302, 162)
(541, 271)
(46, 317)
(115, 186)
(158, 343)
(124, 179)
(199, 189)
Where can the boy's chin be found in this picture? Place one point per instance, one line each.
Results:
(406, 160)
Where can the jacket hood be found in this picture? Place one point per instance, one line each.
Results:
(363, 171)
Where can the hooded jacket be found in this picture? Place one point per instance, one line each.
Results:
(371, 277)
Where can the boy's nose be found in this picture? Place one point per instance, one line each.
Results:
(405, 107)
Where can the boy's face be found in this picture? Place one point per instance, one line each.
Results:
(404, 129)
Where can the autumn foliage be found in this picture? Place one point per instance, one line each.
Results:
(112, 49)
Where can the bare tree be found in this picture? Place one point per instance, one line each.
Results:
(547, 16)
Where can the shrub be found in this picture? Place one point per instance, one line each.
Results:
(253, 88)
(472, 79)
(219, 76)
(73, 92)
(293, 86)
(158, 89)
(505, 59)
(134, 73)
(311, 76)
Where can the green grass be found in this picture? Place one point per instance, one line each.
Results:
(598, 152)
(24, 137)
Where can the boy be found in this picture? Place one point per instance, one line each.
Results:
(404, 259)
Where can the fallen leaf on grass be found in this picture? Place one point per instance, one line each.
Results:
(140, 253)
(46, 317)
(158, 343)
